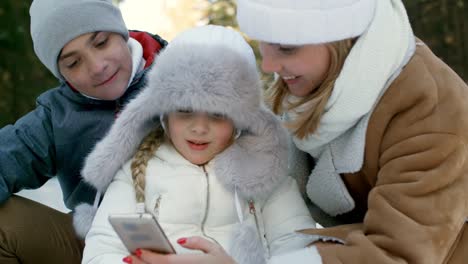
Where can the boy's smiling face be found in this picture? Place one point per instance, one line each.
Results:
(97, 64)
(199, 136)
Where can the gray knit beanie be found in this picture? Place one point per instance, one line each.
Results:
(56, 22)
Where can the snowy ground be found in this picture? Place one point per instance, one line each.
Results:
(49, 194)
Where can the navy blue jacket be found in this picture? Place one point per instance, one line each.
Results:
(54, 139)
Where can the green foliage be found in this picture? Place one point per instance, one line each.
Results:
(22, 76)
(443, 26)
(222, 12)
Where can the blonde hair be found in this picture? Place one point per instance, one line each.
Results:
(307, 122)
(145, 151)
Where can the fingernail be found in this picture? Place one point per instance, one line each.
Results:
(182, 240)
(127, 260)
(138, 252)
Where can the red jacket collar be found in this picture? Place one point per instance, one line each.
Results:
(150, 46)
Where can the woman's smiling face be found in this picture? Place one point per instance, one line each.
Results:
(302, 68)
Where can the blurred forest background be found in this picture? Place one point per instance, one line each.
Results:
(442, 24)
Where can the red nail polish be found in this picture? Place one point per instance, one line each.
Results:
(138, 252)
(127, 260)
(182, 240)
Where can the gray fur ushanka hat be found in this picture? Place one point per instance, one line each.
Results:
(210, 69)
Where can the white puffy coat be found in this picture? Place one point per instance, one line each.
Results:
(190, 200)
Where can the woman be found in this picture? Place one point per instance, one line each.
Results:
(384, 119)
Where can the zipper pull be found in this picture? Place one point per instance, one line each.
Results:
(252, 207)
(156, 206)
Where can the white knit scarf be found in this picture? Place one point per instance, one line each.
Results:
(377, 55)
(138, 62)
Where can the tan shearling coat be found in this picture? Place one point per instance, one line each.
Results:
(411, 194)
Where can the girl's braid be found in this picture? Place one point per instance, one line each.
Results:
(145, 151)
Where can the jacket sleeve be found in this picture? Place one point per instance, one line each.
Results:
(418, 206)
(27, 153)
(417, 209)
(103, 245)
(284, 213)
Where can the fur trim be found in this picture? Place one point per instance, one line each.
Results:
(199, 81)
(118, 146)
(247, 247)
(83, 218)
(257, 162)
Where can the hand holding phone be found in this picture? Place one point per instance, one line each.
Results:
(141, 231)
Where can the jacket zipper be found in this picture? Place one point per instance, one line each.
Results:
(156, 207)
(253, 211)
(207, 204)
(262, 238)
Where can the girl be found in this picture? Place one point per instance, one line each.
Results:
(214, 164)
(384, 119)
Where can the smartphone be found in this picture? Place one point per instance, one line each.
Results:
(141, 231)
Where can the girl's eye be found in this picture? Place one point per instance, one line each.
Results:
(184, 111)
(217, 116)
(287, 49)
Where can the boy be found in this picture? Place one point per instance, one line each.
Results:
(101, 66)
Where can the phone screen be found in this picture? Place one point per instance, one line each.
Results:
(141, 231)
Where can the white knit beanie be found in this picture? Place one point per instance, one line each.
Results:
(56, 22)
(299, 22)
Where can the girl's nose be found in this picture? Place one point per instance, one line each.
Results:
(200, 124)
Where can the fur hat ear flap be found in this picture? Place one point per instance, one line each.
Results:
(116, 148)
(247, 246)
(257, 161)
(83, 218)
(121, 142)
